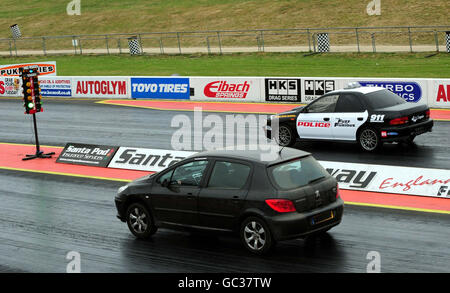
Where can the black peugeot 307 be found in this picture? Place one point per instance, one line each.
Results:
(369, 116)
(291, 196)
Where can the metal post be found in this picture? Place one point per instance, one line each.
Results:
(262, 40)
(220, 43)
(79, 45)
(314, 41)
(140, 44)
(357, 39)
(43, 46)
(107, 45)
(309, 39)
(119, 46)
(15, 46)
(373, 43)
(410, 40)
(436, 40)
(10, 49)
(161, 46)
(179, 43)
(207, 44)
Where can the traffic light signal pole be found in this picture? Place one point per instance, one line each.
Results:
(39, 153)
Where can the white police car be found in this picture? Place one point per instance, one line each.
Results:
(369, 116)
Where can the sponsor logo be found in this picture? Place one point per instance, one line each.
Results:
(223, 89)
(442, 94)
(56, 87)
(444, 191)
(13, 70)
(317, 88)
(103, 87)
(160, 88)
(10, 86)
(343, 123)
(354, 179)
(283, 90)
(405, 186)
(410, 91)
(417, 118)
(85, 154)
(146, 159)
(313, 124)
(376, 118)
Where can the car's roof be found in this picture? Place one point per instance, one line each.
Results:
(265, 157)
(363, 90)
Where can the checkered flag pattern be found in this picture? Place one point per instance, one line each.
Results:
(323, 42)
(15, 31)
(447, 41)
(135, 47)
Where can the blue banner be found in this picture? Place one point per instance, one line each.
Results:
(410, 91)
(160, 88)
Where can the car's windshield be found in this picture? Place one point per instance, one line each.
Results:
(297, 173)
(383, 98)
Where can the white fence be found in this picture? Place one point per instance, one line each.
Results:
(433, 92)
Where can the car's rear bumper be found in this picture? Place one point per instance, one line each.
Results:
(398, 133)
(298, 225)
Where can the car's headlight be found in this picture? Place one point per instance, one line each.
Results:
(121, 189)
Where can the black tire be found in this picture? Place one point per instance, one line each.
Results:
(256, 236)
(369, 140)
(140, 221)
(286, 136)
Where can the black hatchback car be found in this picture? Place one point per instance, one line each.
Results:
(235, 191)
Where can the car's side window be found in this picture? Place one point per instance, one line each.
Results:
(229, 175)
(166, 176)
(189, 174)
(325, 104)
(349, 103)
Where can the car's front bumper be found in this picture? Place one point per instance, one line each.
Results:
(298, 225)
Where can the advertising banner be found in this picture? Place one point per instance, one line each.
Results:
(87, 154)
(56, 86)
(410, 91)
(45, 68)
(160, 88)
(390, 179)
(314, 87)
(10, 86)
(101, 87)
(231, 89)
(439, 96)
(282, 90)
(152, 160)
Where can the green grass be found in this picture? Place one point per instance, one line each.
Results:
(419, 65)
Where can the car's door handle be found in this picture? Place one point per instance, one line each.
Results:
(190, 195)
(236, 198)
(360, 118)
(326, 119)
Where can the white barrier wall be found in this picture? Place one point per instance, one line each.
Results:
(433, 92)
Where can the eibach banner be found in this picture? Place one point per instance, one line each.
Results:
(101, 87)
(227, 89)
(45, 68)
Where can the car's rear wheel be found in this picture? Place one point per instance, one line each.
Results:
(256, 236)
(286, 136)
(369, 140)
(140, 221)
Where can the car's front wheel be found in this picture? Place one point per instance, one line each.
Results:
(369, 140)
(286, 136)
(256, 236)
(140, 221)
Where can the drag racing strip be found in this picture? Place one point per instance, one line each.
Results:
(230, 107)
(11, 159)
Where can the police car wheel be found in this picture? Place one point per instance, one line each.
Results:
(285, 136)
(369, 140)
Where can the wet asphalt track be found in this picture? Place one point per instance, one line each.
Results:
(43, 217)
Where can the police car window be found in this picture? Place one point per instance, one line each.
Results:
(189, 174)
(383, 98)
(323, 105)
(229, 175)
(349, 103)
(167, 176)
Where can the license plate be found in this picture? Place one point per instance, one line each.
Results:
(322, 217)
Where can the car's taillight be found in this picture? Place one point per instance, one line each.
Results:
(427, 114)
(398, 121)
(281, 205)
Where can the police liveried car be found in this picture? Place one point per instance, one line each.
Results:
(369, 116)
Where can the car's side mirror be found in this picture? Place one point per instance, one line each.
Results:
(165, 183)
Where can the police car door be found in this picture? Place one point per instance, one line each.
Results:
(350, 114)
(315, 121)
